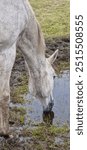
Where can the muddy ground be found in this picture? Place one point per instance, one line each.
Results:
(32, 136)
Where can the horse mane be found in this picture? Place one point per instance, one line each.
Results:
(41, 46)
(41, 40)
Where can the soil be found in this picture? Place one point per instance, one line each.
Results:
(36, 137)
(63, 44)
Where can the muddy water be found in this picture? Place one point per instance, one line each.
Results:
(61, 104)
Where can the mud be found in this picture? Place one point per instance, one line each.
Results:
(63, 44)
(33, 136)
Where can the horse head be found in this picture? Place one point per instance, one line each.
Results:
(42, 87)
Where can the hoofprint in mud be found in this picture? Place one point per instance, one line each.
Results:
(19, 28)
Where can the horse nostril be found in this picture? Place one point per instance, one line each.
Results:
(51, 105)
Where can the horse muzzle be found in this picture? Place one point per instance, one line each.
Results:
(49, 106)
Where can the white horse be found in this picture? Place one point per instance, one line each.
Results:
(19, 28)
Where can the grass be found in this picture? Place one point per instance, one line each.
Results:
(61, 66)
(43, 130)
(43, 137)
(53, 16)
(18, 92)
(17, 115)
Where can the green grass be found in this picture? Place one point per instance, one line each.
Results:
(43, 130)
(43, 137)
(61, 66)
(18, 92)
(53, 16)
(17, 115)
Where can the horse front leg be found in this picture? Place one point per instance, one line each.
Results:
(4, 114)
(7, 58)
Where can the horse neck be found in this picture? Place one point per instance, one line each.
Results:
(32, 43)
(37, 66)
(37, 41)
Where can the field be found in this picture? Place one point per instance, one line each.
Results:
(53, 16)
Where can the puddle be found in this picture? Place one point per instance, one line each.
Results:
(62, 98)
(61, 107)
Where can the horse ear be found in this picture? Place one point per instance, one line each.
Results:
(53, 57)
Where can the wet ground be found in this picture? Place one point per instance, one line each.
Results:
(32, 129)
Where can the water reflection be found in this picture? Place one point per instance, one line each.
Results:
(61, 110)
(48, 117)
(62, 98)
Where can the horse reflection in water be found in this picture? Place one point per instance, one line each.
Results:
(48, 117)
(20, 29)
